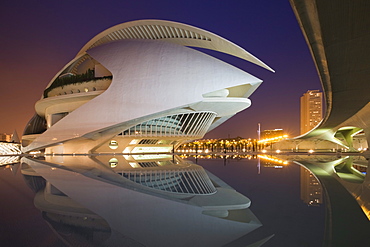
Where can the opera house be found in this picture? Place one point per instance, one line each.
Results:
(138, 88)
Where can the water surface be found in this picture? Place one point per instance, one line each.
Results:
(95, 201)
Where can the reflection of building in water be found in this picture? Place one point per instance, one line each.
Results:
(73, 223)
(311, 190)
(347, 198)
(361, 168)
(7, 148)
(136, 88)
(311, 110)
(6, 160)
(140, 200)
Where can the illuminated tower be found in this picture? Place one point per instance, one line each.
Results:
(311, 110)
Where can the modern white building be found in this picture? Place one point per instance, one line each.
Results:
(138, 88)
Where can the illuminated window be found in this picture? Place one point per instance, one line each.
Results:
(148, 141)
(134, 141)
(151, 149)
(189, 181)
(86, 89)
(165, 142)
(185, 124)
(134, 165)
(148, 164)
(113, 162)
(113, 144)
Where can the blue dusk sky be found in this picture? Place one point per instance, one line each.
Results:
(39, 37)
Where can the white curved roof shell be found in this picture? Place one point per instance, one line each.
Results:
(150, 77)
(173, 32)
(153, 73)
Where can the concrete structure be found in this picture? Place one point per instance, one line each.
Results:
(137, 88)
(338, 36)
(311, 110)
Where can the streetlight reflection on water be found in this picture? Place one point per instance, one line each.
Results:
(104, 185)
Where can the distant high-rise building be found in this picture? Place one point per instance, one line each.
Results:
(5, 137)
(269, 134)
(311, 110)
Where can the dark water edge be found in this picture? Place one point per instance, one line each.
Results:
(22, 223)
(275, 196)
(274, 192)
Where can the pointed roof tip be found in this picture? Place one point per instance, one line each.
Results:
(265, 66)
(15, 137)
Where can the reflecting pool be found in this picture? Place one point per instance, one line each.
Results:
(165, 200)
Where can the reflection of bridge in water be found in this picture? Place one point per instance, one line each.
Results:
(346, 186)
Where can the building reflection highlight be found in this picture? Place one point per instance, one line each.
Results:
(311, 189)
(142, 200)
(159, 200)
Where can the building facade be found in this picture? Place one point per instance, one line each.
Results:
(311, 110)
(138, 88)
(270, 134)
(5, 137)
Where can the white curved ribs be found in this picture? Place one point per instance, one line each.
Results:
(172, 32)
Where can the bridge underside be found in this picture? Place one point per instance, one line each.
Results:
(337, 34)
(350, 135)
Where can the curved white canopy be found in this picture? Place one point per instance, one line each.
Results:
(172, 32)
